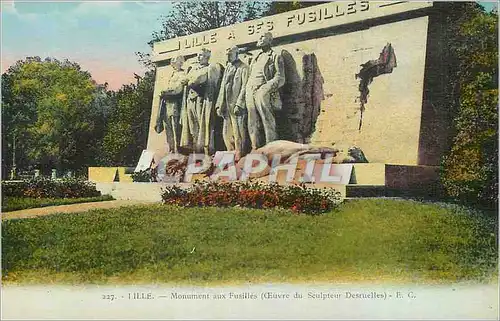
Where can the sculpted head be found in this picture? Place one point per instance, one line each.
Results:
(204, 56)
(265, 40)
(232, 54)
(177, 63)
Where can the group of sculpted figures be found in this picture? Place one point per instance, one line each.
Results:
(245, 97)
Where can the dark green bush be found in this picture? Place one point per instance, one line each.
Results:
(13, 189)
(470, 171)
(470, 168)
(147, 175)
(47, 188)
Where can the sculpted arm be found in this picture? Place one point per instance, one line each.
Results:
(198, 77)
(176, 86)
(279, 77)
(240, 102)
(219, 106)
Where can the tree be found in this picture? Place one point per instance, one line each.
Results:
(102, 106)
(284, 6)
(18, 112)
(470, 169)
(47, 114)
(128, 126)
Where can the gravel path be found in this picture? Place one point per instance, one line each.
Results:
(71, 208)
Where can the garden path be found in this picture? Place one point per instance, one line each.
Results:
(71, 208)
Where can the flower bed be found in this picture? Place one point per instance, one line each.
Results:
(47, 188)
(298, 198)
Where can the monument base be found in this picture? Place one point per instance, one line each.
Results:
(110, 174)
(367, 180)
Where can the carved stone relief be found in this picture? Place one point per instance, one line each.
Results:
(255, 101)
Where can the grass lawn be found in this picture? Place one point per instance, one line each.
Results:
(20, 203)
(364, 240)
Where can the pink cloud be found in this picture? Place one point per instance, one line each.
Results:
(6, 63)
(115, 76)
(102, 71)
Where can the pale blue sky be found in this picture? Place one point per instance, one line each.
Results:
(102, 36)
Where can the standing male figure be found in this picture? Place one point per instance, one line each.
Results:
(170, 105)
(266, 77)
(231, 104)
(200, 97)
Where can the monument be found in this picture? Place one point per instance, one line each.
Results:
(231, 105)
(266, 77)
(198, 110)
(361, 78)
(171, 99)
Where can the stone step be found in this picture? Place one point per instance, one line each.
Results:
(372, 191)
(357, 191)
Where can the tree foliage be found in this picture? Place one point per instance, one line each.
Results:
(191, 17)
(470, 170)
(128, 123)
(284, 6)
(48, 115)
(54, 115)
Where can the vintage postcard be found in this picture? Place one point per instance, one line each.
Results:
(249, 160)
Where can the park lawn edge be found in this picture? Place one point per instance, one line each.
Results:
(46, 202)
(146, 274)
(68, 279)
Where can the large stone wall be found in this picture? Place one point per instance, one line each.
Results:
(335, 48)
(391, 120)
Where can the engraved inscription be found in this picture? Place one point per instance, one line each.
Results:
(199, 41)
(325, 13)
(260, 27)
